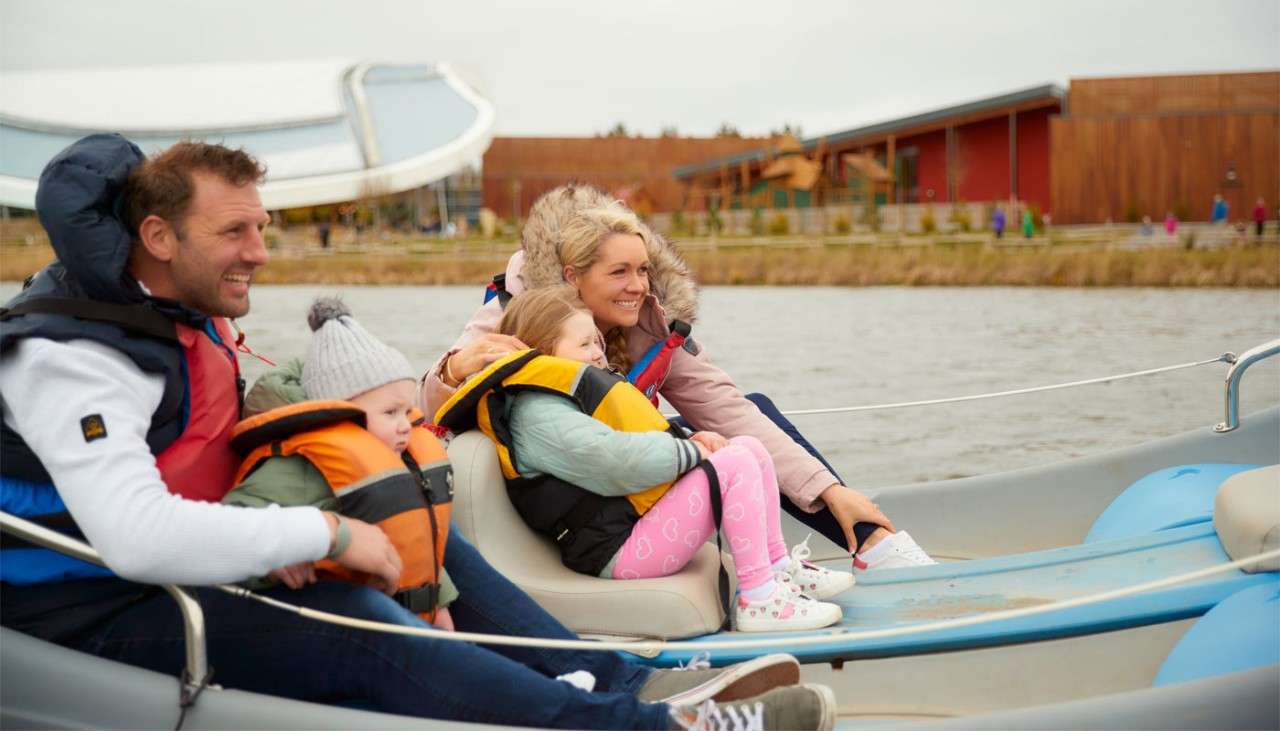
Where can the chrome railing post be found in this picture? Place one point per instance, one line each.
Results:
(1236, 372)
(197, 670)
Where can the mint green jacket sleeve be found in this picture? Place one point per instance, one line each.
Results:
(290, 481)
(551, 436)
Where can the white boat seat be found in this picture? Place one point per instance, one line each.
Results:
(682, 605)
(1246, 514)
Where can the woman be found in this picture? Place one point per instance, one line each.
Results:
(635, 286)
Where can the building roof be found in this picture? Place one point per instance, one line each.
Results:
(1046, 92)
(328, 130)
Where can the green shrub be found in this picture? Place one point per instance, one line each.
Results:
(842, 224)
(779, 224)
(757, 221)
(714, 223)
(961, 218)
(927, 223)
(678, 223)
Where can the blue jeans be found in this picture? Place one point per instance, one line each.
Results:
(258, 648)
(822, 521)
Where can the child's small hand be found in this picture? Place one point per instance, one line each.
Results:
(709, 440)
(443, 619)
(296, 576)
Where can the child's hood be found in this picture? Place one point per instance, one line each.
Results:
(278, 387)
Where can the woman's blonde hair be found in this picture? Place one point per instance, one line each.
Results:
(579, 248)
(537, 317)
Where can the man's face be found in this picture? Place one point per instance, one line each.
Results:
(220, 246)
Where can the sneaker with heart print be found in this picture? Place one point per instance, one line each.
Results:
(814, 581)
(783, 611)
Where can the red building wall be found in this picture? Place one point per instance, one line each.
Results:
(931, 170)
(1033, 156)
(982, 160)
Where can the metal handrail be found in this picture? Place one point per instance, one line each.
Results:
(197, 670)
(1232, 395)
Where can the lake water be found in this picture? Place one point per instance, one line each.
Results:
(820, 347)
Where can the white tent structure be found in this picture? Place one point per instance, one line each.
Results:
(327, 130)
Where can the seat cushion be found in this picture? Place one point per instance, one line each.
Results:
(1240, 633)
(1246, 514)
(682, 605)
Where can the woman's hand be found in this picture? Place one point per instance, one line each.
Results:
(477, 354)
(709, 441)
(371, 552)
(296, 576)
(849, 506)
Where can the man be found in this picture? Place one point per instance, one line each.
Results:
(120, 386)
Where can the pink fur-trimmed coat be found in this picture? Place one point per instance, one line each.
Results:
(703, 394)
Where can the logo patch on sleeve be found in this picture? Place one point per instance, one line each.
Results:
(93, 427)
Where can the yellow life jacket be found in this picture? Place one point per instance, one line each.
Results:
(408, 496)
(606, 397)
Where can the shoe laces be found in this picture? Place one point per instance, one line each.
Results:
(801, 552)
(727, 717)
(700, 661)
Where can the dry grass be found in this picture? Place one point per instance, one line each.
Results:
(1257, 267)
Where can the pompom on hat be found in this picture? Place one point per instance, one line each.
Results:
(344, 360)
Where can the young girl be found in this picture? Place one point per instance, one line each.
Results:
(646, 502)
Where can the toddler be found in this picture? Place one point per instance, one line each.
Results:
(349, 440)
(626, 499)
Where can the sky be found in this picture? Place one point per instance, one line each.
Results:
(558, 68)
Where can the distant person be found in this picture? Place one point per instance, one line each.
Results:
(635, 467)
(1028, 224)
(323, 231)
(1146, 229)
(1260, 216)
(1220, 209)
(997, 222)
(1170, 224)
(636, 286)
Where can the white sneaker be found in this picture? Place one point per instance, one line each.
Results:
(898, 551)
(784, 611)
(814, 581)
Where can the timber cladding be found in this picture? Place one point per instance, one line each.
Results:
(1145, 146)
(519, 169)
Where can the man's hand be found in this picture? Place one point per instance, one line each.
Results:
(477, 354)
(849, 506)
(296, 576)
(710, 441)
(370, 551)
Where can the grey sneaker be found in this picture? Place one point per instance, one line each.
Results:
(699, 681)
(808, 707)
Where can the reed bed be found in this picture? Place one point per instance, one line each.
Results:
(825, 265)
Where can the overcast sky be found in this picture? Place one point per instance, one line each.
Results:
(577, 68)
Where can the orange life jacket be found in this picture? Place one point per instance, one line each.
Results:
(408, 496)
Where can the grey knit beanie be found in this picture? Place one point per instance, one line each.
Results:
(343, 359)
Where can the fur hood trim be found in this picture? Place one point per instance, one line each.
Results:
(669, 277)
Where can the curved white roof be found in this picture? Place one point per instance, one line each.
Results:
(327, 130)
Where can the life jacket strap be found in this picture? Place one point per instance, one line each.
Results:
(717, 512)
(421, 600)
(136, 319)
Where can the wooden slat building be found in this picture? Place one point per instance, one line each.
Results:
(1141, 146)
(519, 169)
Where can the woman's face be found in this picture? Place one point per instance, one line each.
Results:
(614, 286)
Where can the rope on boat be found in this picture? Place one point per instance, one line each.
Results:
(1224, 358)
(827, 637)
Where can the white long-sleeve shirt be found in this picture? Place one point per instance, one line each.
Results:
(111, 485)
